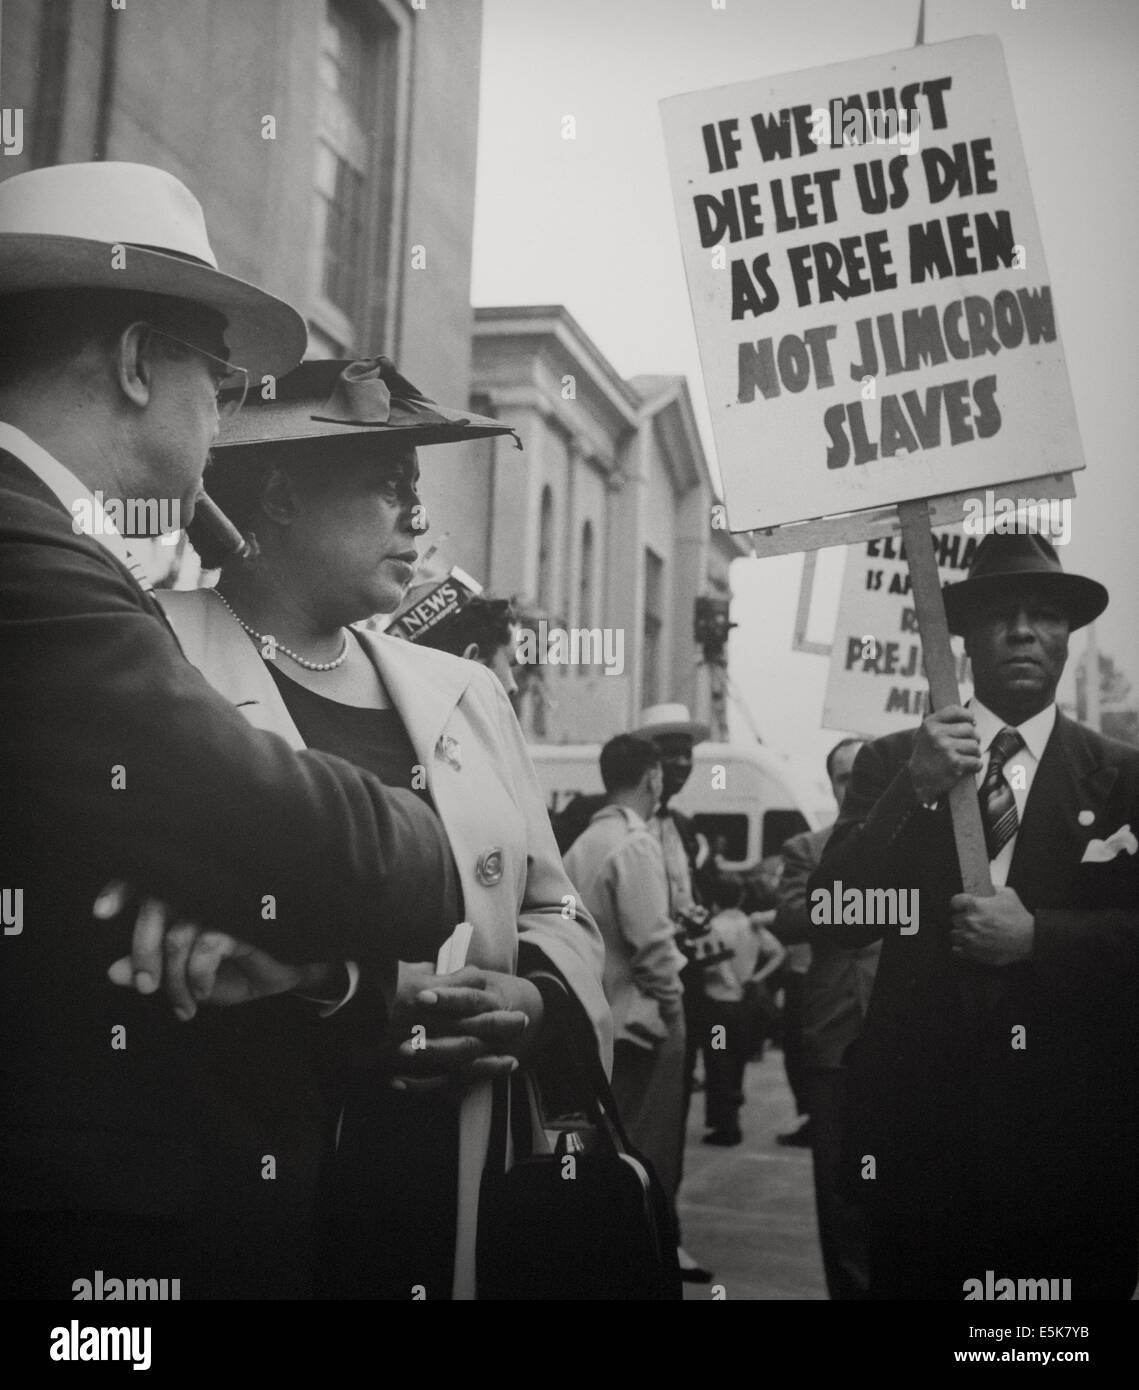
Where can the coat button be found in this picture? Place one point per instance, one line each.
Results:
(488, 870)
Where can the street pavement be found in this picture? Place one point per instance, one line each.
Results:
(748, 1213)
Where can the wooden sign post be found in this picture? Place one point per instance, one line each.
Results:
(940, 667)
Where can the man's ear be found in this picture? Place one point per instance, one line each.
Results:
(471, 651)
(278, 499)
(134, 362)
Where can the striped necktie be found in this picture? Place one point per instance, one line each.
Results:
(132, 562)
(998, 805)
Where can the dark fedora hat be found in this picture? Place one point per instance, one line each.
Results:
(333, 400)
(1006, 562)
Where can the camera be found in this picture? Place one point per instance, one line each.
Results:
(696, 936)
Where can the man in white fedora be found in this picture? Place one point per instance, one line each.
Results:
(125, 1154)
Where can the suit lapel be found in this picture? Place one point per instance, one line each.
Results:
(216, 645)
(1069, 781)
(456, 739)
(424, 689)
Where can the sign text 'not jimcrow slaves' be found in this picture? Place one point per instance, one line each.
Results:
(868, 285)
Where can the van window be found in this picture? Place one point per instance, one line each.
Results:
(726, 834)
(778, 827)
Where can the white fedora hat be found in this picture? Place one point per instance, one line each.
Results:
(133, 227)
(670, 719)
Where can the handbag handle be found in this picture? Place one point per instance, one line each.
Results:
(579, 1049)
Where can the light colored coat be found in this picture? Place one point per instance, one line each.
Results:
(617, 864)
(479, 774)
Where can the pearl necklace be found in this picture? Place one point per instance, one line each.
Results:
(278, 646)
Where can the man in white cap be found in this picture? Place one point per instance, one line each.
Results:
(117, 759)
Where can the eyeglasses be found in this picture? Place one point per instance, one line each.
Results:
(231, 383)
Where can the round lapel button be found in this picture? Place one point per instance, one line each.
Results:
(489, 868)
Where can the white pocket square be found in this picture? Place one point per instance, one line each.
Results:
(1101, 851)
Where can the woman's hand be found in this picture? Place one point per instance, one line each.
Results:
(464, 1026)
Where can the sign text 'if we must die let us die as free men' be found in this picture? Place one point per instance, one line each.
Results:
(868, 285)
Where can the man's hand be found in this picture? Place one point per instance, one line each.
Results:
(992, 931)
(460, 1027)
(195, 966)
(945, 750)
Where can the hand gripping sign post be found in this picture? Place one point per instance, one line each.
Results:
(874, 314)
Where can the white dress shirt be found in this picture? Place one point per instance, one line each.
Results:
(678, 869)
(1035, 732)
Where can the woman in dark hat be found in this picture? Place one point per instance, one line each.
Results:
(321, 481)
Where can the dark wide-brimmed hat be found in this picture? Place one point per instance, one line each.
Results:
(117, 226)
(334, 401)
(1005, 562)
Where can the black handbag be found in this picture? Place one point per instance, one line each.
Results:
(588, 1221)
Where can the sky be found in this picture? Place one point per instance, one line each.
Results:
(590, 223)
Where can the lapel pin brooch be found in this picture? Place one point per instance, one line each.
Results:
(447, 750)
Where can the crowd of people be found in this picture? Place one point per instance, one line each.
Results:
(967, 1070)
(293, 907)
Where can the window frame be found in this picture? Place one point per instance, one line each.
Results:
(375, 325)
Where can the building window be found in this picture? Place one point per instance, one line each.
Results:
(585, 578)
(361, 106)
(546, 552)
(346, 100)
(653, 623)
(340, 225)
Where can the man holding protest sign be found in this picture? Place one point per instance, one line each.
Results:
(882, 320)
(995, 1086)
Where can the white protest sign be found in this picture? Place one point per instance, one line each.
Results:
(875, 684)
(875, 318)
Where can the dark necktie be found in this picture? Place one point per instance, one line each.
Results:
(998, 805)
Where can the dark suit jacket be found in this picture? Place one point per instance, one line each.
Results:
(836, 988)
(944, 1099)
(213, 817)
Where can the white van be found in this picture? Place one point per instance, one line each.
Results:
(744, 798)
